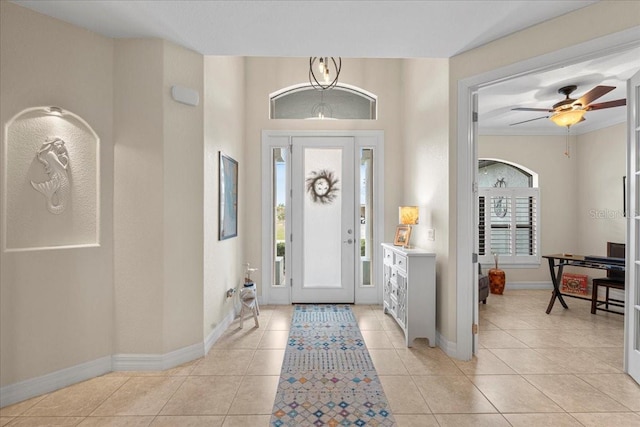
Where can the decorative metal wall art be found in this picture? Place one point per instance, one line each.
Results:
(322, 186)
(499, 204)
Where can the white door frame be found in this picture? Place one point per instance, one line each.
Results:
(632, 310)
(465, 162)
(363, 139)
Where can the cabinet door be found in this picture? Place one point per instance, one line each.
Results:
(386, 290)
(401, 312)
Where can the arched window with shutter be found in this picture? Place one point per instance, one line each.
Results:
(509, 213)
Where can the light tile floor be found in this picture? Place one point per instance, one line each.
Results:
(533, 369)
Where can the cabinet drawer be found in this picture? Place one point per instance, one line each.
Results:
(388, 257)
(401, 262)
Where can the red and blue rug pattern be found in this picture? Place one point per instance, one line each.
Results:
(327, 376)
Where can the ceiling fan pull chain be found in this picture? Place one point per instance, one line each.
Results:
(567, 151)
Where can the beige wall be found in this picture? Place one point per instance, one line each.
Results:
(601, 155)
(143, 295)
(224, 105)
(138, 199)
(267, 75)
(56, 306)
(158, 199)
(425, 163)
(183, 201)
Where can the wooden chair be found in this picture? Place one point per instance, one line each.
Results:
(614, 279)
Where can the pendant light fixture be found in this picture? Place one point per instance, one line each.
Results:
(327, 68)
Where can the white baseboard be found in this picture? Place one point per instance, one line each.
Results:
(14, 393)
(217, 332)
(157, 362)
(529, 285)
(32, 387)
(449, 347)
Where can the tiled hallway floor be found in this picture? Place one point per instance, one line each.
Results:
(562, 369)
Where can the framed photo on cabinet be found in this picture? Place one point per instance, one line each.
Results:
(227, 197)
(403, 233)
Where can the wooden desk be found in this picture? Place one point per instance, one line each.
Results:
(559, 261)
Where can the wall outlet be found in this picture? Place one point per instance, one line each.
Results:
(431, 234)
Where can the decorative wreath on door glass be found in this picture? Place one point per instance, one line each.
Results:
(500, 204)
(321, 186)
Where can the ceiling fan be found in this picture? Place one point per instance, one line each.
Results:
(570, 111)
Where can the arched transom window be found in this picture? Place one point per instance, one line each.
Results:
(343, 102)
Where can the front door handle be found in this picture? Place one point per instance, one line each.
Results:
(349, 241)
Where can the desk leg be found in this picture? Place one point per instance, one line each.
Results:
(556, 287)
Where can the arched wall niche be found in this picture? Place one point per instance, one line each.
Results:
(51, 181)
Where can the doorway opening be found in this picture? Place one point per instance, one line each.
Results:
(322, 216)
(466, 187)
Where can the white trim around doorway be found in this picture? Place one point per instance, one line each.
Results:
(363, 139)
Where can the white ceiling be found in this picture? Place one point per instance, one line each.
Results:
(356, 29)
(361, 29)
(540, 90)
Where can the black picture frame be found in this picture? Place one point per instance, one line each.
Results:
(227, 197)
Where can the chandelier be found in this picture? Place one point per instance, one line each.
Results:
(329, 70)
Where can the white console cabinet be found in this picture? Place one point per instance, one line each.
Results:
(409, 291)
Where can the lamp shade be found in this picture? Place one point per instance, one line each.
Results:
(408, 215)
(567, 118)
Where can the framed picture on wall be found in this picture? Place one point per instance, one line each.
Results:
(227, 197)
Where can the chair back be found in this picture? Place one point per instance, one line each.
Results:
(616, 250)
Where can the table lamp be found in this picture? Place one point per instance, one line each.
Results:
(408, 215)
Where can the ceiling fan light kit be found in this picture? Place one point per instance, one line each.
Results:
(570, 111)
(568, 117)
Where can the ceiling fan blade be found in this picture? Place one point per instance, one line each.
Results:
(530, 120)
(594, 94)
(608, 104)
(546, 110)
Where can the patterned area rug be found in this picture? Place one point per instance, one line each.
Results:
(327, 376)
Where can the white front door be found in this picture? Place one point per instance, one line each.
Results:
(632, 306)
(323, 240)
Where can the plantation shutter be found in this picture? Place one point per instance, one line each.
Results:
(508, 225)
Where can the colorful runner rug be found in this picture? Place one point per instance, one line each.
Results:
(327, 376)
